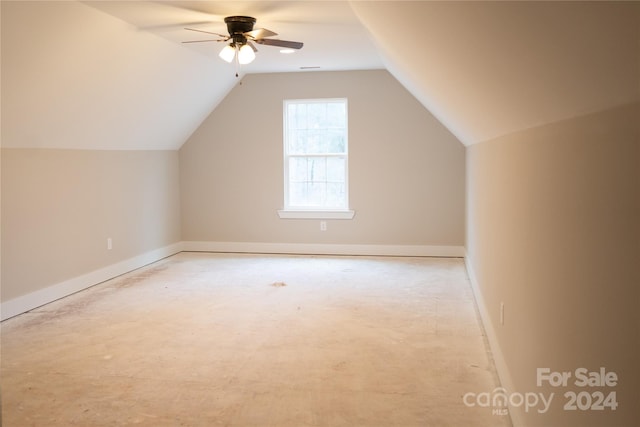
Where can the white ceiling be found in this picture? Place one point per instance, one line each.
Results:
(332, 35)
(116, 75)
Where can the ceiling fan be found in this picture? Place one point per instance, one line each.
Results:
(242, 37)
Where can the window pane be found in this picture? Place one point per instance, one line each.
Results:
(336, 141)
(317, 181)
(335, 195)
(316, 116)
(298, 169)
(317, 141)
(317, 167)
(336, 114)
(297, 141)
(297, 194)
(316, 128)
(336, 169)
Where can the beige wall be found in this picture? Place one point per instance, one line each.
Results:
(60, 206)
(406, 170)
(553, 231)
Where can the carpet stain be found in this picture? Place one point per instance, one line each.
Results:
(278, 284)
(131, 279)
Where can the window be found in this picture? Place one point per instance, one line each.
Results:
(316, 157)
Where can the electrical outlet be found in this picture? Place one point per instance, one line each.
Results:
(323, 225)
(109, 244)
(501, 313)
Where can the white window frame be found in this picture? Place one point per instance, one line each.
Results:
(301, 212)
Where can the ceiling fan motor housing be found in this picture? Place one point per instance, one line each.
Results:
(241, 33)
(237, 26)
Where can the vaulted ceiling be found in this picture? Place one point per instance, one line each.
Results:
(116, 75)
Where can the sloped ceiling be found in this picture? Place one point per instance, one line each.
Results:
(486, 69)
(116, 75)
(74, 77)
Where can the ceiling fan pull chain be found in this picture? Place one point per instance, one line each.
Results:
(237, 61)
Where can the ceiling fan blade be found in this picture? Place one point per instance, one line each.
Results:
(253, 46)
(202, 41)
(170, 27)
(260, 33)
(208, 32)
(281, 43)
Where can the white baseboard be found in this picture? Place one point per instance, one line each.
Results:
(51, 293)
(325, 249)
(489, 328)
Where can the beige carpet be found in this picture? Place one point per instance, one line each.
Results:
(203, 339)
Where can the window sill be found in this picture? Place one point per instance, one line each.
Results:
(299, 214)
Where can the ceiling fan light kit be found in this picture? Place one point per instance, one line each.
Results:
(228, 53)
(241, 37)
(245, 55)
